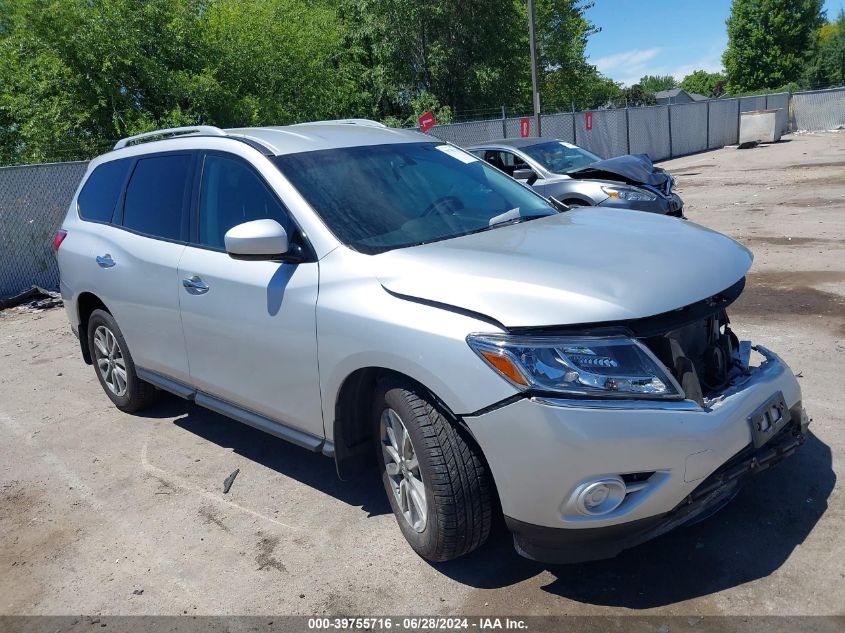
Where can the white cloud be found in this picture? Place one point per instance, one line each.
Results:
(630, 66)
(623, 62)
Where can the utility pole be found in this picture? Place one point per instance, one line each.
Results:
(532, 39)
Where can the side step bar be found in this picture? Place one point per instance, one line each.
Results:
(239, 414)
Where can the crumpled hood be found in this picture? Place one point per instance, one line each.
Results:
(583, 266)
(634, 169)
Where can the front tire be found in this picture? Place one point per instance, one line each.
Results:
(437, 483)
(114, 365)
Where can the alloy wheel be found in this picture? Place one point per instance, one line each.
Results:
(110, 361)
(403, 470)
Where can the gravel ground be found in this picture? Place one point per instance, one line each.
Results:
(107, 513)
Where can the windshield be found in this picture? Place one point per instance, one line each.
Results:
(380, 197)
(560, 158)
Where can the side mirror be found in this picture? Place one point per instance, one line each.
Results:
(257, 240)
(527, 174)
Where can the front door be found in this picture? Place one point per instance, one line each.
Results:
(250, 326)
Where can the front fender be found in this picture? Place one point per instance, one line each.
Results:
(361, 325)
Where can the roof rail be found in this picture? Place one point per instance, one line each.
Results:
(364, 122)
(207, 130)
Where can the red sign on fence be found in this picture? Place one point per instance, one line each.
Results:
(589, 120)
(525, 127)
(427, 121)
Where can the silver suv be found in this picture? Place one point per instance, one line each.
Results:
(384, 298)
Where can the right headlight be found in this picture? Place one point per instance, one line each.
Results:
(583, 366)
(631, 194)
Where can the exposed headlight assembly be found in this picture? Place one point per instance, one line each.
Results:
(631, 194)
(592, 367)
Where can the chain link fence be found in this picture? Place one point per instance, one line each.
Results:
(647, 132)
(34, 199)
(465, 134)
(688, 128)
(819, 110)
(663, 131)
(723, 123)
(780, 103)
(33, 203)
(560, 126)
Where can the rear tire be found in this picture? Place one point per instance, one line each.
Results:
(437, 483)
(114, 365)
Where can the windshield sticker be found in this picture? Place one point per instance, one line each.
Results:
(454, 152)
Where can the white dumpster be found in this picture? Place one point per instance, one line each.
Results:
(758, 125)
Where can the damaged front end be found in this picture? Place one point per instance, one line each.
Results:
(698, 346)
(679, 461)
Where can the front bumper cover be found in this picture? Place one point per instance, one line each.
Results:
(559, 545)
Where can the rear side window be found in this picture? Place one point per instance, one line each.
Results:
(156, 194)
(102, 189)
(232, 193)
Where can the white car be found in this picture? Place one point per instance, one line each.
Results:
(384, 298)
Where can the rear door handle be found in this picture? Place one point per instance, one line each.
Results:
(195, 285)
(105, 261)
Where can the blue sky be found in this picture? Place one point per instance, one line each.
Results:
(662, 37)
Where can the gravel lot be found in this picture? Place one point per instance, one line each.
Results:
(96, 505)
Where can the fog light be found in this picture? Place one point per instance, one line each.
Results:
(600, 497)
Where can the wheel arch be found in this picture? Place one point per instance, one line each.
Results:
(86, 303)
(352, 428)
(578, 198)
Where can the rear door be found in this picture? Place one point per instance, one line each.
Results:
(250, 326)
(137, 258)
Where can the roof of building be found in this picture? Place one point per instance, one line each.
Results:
(674, 93)
(668, 94)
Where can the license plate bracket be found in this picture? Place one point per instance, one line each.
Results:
(768, 419)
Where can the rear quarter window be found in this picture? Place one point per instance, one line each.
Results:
(156, 196)
(101, 191)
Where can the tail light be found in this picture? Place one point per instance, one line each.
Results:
(58, 238)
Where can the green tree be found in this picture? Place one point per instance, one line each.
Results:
(471, 56)
(467, 55)
(78, 74)
(829, 65)
(634, 97)
(656, 83)
(770, 42)
(566, 78)
(704, 83)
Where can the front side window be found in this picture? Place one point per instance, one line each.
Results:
(380, 197)
(506, 161)
(99, 195)
(156, 195)
(231, 194)
(560, 158)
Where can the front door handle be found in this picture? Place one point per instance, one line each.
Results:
(195, 285)
(105, 261)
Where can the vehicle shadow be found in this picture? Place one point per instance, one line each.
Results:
(311, 469)
(747, 540)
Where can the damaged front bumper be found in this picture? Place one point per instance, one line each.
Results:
(557, 545)
(679, 461)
